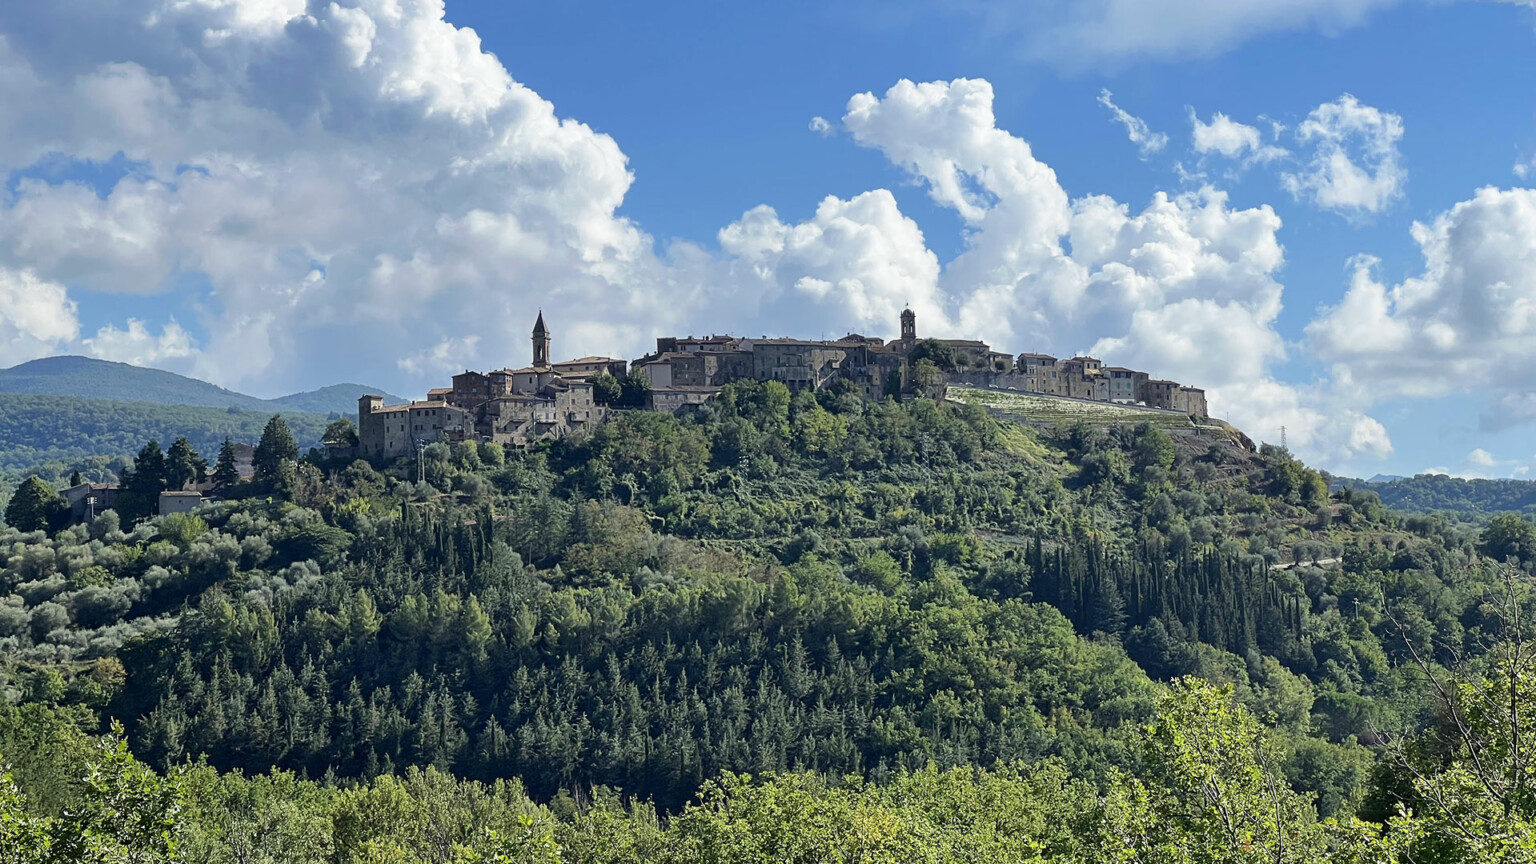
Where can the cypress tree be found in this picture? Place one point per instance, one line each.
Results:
(225, 473)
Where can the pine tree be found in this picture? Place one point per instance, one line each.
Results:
(33, 506)
(225, 473)
(143, 484)
(275, 455)
(183, 465)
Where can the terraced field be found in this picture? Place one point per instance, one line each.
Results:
(1051, 410)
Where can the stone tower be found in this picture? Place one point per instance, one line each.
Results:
(540, 342)
(908, 327)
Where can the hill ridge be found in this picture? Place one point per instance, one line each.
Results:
(93, 378)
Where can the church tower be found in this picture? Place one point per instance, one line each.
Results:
(540, 342)
(908, 327)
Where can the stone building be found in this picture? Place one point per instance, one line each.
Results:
(1160, 393)
(1190, 400)
(685, 372)
(507, 406)
(1125, 384)
(392, 431)
(1041, 372)
(179, 502)
(88, 500)
(677, 400)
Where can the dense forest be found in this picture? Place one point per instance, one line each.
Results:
(939, 636)
(1429, 493)
(55, 435)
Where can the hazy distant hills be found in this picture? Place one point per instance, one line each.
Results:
(1428, 493)
(88, 378)
(61, 414)
(54, 435)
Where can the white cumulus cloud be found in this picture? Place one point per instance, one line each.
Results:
(1228, 138)
(36, 316)
(1224, 135)
(1466, 323)
(138, 346)
(1355, 166)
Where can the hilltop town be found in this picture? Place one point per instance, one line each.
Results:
(549, 399)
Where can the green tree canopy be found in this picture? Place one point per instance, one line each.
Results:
(33, 507)
(275, 455)
(606, 389)
(1509, 536)
(934, 351)
(183, 465)
(341, 431)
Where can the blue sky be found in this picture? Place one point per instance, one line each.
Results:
(278, 196)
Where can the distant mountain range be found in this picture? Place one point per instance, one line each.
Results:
(89, 378)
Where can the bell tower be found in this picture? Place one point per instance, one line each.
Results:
(540, 342)
(908, 327)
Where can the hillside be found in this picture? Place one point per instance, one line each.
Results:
(1433, 493)
(778, 584)
(335, 399)
(89, 378)
(62, 433)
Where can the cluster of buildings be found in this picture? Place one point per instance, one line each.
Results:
(552, 399)
(507, 406)
(1088, 378)
(85, 501)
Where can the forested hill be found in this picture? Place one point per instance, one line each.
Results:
(88, 378)
(1430, 493)
(803, 586)
(55, 435)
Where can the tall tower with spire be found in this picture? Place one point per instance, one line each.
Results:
(540, 342)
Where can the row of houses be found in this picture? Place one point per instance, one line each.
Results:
(1089, 378)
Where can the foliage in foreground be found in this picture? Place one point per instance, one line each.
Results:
(1211, 793)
